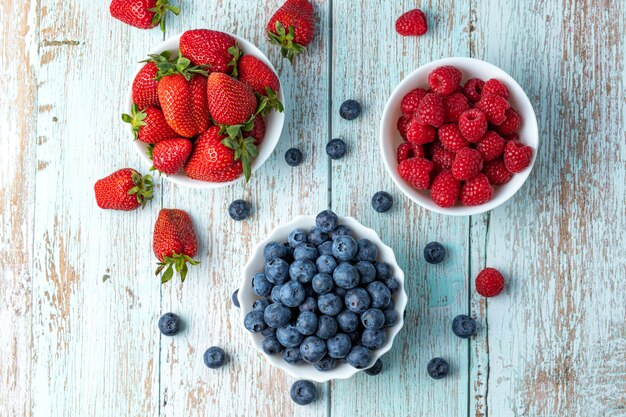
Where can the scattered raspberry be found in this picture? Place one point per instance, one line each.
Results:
(403, 125)
(420, 134)
(491, 146)
(451, 137)
(416, 172)
(444, 80)
(431, 110)
(497, 173)
(443, 159)
(494, 108)
(408, 150)
(511, 123)
(473, 89)
(445, 189)
(412, 100)
(467, 164)
(517, 156)
(473, 124)
(476, 191)
(412, 23)
(455, 104)
(493, 86)
(489, 282)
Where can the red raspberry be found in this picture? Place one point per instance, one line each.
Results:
(416, 172)
(514, 136)
(408, 150)
(511, 124)
(491, 146)
(412, 100)
(473, 124)
(445, 189)
(476, 191)
(517, 156)
(444, 80)
(403, 125)
(494, 108)
(431, 110)
(455, 104)
(451, 137)
(412, 23)
(489, 282)
(467, 164)
(473, 89)
(443, 159)
(431, 148)
(497, 173)
(420, 134)
(493, 86)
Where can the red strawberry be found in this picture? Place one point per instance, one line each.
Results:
(230, 101)
(511, 124)
(473, 124)
(169, 155)
(431, 110)
(225, 175)
(419, 133)
(174, 243)
(292, 27)
(408, 150)
(517, 157)
(142, 14)
(497, 173)
(473, 89)
(403, 125)
(149, 125)
(444, 80)
(455, 104)
(445, 189)
(451, 137)
(491, 146)
(209, 154)
(476, 191)
(218, 51)
(443, 159)
(494, 108)
(409, 103)
(412, 23)
(493, 86)
(261, 78)
(467, 164)
(145, 84)
(125, 190)
(416, 172)
(489, 282)
(258, 130)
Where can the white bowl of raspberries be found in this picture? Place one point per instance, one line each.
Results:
(323, 297)
(459, 136)
(205, 109)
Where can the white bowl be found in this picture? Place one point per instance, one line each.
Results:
(274, 121)
(390, 138)
(255, 264)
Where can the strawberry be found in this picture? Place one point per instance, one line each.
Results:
(230, 101)
(125, 190)
(416, 172)
(145, 84)
(476, 191)
(261, 78)
(169, 155)
(149, 125)
(258, 130)
(142, 14)
(218, 51)
(292, 27)
(517, 157)
(412, 23)
(491, 146)
(224, 175)
(497, 173)
(445, 189)
(212, 160)
(489, 282)
(467, 164)
(174, 243)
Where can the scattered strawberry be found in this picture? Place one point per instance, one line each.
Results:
(174, 243)
(145, 85)
(491, 146)
(511, 124)
(419, 133)
(496, 172)
(416, 172)
(444, 80)
(292, 27)
(473, 124)
(467, 164)
(258, 130)
(517, 157)
(261, 78)
(230, 101)
(411, 101)
(149, 125)
(408, 150)
(445, 189)
(142, 14)
(403, 125)
(494, 108)
(493, 86)
(473, 89)
(412, 23)
(489, 282)
(476, 191)
(218, 51)
(451, 137)
(125, 190)
(455, 104)
(443, 159)
(431, 111)
(169, 155)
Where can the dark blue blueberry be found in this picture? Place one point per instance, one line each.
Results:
(336, 149)
(330, 304)
(341, 292)
(346, 276)
(437, 368)
(275, 294)
(348, 321)
(357, 300)
(169, 324)
(292, 355)
(393, 284)
(344, 248)
(326, 327)
(383, 270)
(380, 294)
(239, 210)
(274, 250)
(350, 109)
(305, 251)
(327, 221)
(464, 326)
(293, 157)
(367, 272)
(312, 349)
(254, 322)
(276, 315)
(296, 237)
(374, 369)
(303, 392)
(302, 270)
(260, 304)
(391, 318)
(373, 339)
(326, 264)
(260, 285)
(292, 294)
(339, 346)
(309, 304)
(272, 346)
(235, 298)
(341, 230)
(359, 357)
(289, 336)
(325, 248)
(373, 318)
(355, 337)
(390, 306)
(306, 323)
(326, 364)
(382, 201)
(269, 331)
(367, 250)
(276, 271)
(434, 253)
(317, 236)
(322, 283)
(214, 357)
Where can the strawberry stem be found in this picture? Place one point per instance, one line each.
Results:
(268, 102)
(288, 48)
(181, 66)
(136, 120)
(236, 53)
(160, 11)
(143, 188)
(176, 262)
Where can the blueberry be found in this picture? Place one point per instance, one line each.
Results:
(464, 326)
(276, 271)
(350, 109)
(297, 236)
(289, 336)
(322, 283)
(359, 357)
(305, 251)
(341, 230)
(276, 315)
(309, 304)
(380, 294)
(373, 339)
(327, 221)
(383, 270)
(169, 324)
(373, 318)
(317, 236)
(326, 327)
(303, 392)
(393, 285)
(235, 298)
(306, 323)
(292, 355)
(254, 322)
(330, 304)
(326, 364)
(312, 349)
(391, 318)
(346, 276)
(260, 304)
(348, 321)
(292, 294)
(336, 149)
(326, 264)
(339, 346)
(260, 285)
(382, 201)
(293, 157)
(214, 357)
(438, 368)
(344, 248)
(341, 292)
(272, 346)
(269, 331)
(374, 369)
(275, 294)
(367, 272)
(367, 250)
(302, 270)
(325, 248)
(355, 337)
(434, 253)
(357, 300)
(239, 210)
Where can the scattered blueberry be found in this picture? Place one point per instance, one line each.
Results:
(367, 250)
(169, 324)
(322, 283)
(297, 236)
(326, 364)
(367, 272)
(336, 149)
(293, 157)
(306, 323)
(260, 304)
(317, 236)
(312, 349)
(379, 293)
(383, 270)
(382, 201)
(260, 285)
(359, 357)
(339, 346)
(276, 271)
(374, 369)
(326, 327)
(254, 322)
(326, 264)
(357, 300)
(292, 355)
(464, 326)
(330, 304)
(391, 318)
(214, 357)
(373, 339)
(373, 318)
(326, 248)
(309, 304)
(274, 250)
(292, 294)
(272, 346)
(303, 392)
(302, 270)
(348, 321)
(327, 221)
(276, 315)
(438, 368)
(305, 251)
(346, 276)
(239, 210)
(350, 109)
(289, 336)
(434, 253)
(235, 298)
(344, 247)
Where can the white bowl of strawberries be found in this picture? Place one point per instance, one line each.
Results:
(205, 109)
(459, 136)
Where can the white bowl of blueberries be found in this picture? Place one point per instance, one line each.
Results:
(323, 298)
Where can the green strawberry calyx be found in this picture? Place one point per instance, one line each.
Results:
(142, 188)
(245, 150)
(135, 119)
(236, 53)
(269, 102)
(160, 11)
(180, 66)
(283, 37)
(149, 152)
(178, 262)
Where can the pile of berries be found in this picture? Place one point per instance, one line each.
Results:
(460, 141)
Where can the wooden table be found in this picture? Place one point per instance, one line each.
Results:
(78, 299)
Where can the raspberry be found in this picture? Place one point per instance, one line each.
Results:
(489, 282)
(445, 189)
(444, 80)
(511, 124)
(403, 125)
(494, 108)
(476, 191)
(451, 137)
(497, 173)
(517, 156)
(416, 172)
(412, 100)
(491, 146)
(493, 86)
(420, 134)
(431, 148)
(467, 164)
(443, 159)
(408, 150)
(431, 110)
(473, 89)
(455, 104)
(473, 124)
(514, 136)
(412, 23)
